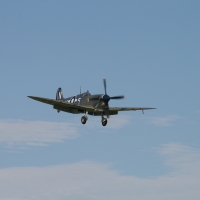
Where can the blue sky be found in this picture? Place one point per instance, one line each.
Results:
(148, 51)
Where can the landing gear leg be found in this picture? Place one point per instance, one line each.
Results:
(103, 121)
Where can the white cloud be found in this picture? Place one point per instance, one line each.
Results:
(164, 121)
(119, 121)
(95, 181)
(20, 132)
(23, 133)
(115, 122)
(181, 158)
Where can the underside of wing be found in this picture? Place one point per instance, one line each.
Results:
(115, 110)
(64, 106)
(128, 108)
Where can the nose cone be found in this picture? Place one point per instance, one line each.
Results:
(106, 98)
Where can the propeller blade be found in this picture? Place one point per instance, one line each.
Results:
(117, 97)
(104, 82)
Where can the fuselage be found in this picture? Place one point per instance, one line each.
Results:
(83, 99)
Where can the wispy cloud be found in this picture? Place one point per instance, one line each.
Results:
(164, 121)
(23, 133)
(181, 158)
(197, 111)
(115, 122)
(94, 181)
(35, 133)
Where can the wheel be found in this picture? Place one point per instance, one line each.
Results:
(104, 122)
(83, 120)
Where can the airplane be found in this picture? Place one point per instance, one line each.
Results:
(85, 103)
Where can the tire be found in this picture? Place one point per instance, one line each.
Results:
(104, 122)
(83, 120)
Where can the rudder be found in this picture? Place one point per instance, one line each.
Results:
(59, 94)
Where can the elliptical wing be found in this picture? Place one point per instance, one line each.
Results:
(61, 103)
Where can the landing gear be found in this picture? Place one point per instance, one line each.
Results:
(103, 121)
(84, 119)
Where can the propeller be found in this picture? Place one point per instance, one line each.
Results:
(106, 98)
(104, 83)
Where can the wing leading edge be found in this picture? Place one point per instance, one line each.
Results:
(62, 105)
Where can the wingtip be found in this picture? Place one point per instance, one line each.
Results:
(31, 97)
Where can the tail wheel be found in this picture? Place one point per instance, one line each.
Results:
(104, 122)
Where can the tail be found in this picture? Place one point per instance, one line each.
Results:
(59, 94)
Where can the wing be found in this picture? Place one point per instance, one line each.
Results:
(62, 105)
(128, 108)
(115, 110)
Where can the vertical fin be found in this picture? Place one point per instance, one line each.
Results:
(59, 94)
